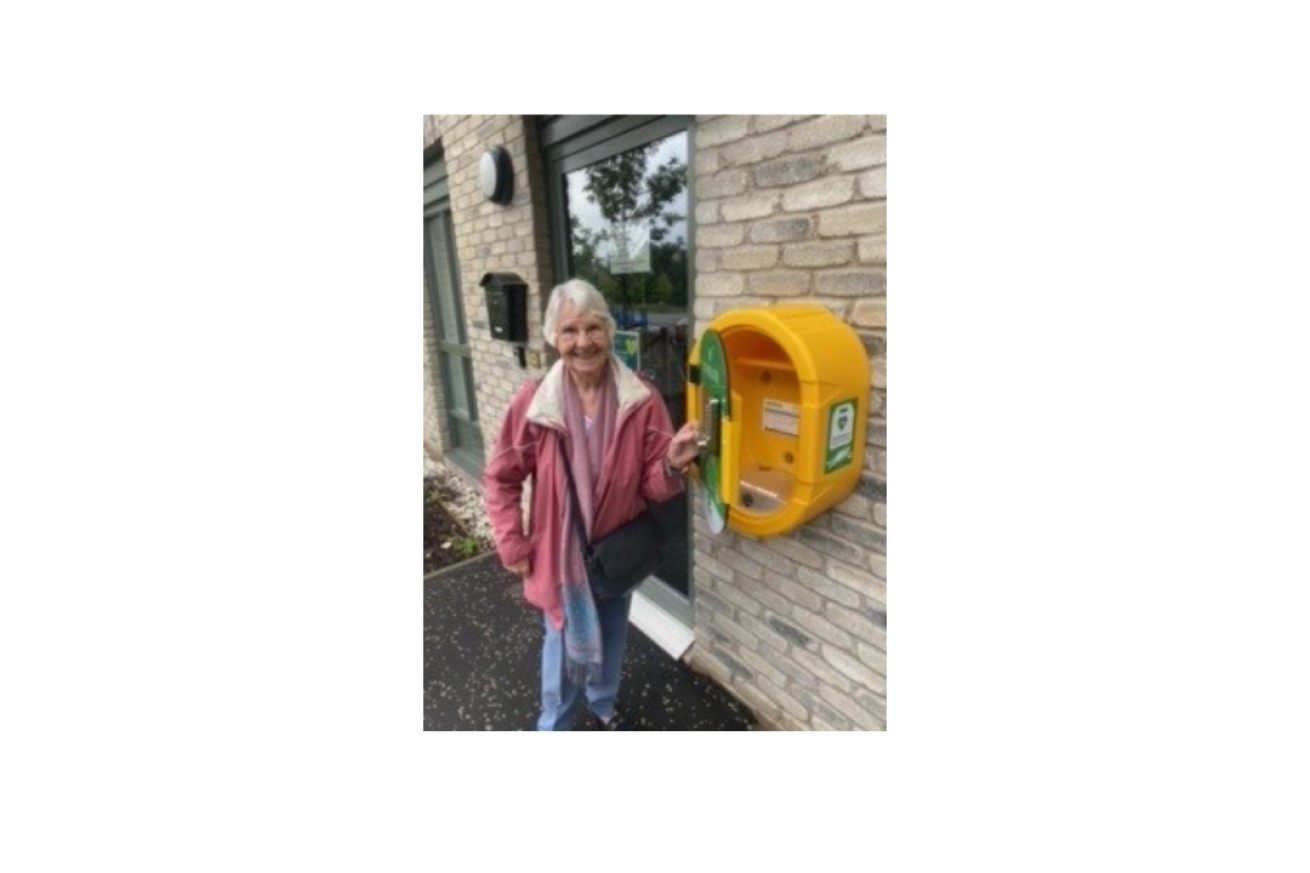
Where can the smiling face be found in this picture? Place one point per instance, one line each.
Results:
(582, 343)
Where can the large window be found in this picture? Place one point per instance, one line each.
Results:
(454, 357)
(621, 219)
(627, 234)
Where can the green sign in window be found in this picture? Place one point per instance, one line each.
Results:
(627, 345)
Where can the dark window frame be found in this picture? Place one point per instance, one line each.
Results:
(572, 142)
(466, 448)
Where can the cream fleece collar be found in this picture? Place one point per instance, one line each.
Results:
(547, 406)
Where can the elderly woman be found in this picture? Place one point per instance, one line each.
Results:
(609, 425)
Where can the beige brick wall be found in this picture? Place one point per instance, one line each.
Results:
(794, 208)
(492, 238)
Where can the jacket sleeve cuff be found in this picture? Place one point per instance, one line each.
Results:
(514, 549)
(660, 486)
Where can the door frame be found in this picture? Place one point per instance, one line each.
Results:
(571, 142)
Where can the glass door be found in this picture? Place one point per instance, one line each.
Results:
(621, 197)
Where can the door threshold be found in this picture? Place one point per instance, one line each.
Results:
(662, 627)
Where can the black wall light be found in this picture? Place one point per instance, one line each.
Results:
(497, 175)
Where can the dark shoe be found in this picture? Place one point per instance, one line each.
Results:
(614, 724)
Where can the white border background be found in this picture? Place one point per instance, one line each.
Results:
(211, 623)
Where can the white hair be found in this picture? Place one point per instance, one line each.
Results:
(586, 300)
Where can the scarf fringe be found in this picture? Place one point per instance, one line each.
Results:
(583, 674)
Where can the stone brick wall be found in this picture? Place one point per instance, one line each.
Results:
(492, 238)
(794, 208)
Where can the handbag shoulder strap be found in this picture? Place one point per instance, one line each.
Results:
(577, 516)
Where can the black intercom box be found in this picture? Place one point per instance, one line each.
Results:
(507, 306)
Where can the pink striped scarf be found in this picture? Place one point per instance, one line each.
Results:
(587, 451)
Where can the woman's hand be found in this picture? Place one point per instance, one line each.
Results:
(519, 569)
(683, 450)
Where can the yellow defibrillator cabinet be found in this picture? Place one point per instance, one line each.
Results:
(781, 395)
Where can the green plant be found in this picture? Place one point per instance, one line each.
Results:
(466, 547)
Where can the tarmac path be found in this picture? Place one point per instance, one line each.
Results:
(482, 664)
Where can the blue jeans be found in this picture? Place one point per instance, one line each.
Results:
(559, 695)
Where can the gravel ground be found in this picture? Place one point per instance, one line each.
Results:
(455, 526)
(463, 501)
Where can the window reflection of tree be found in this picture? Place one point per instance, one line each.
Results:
(628, 193)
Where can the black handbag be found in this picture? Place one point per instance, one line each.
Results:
(619, 562)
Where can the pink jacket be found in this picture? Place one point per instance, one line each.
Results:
(531, 441)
